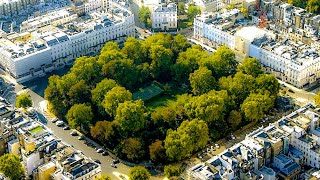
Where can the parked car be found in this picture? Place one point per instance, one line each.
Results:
(81, 138)
(290, 90)
(66, 128)
(24, 87)
(113, 165)
(115, 161)
(74, 133)
(54, 120)
(105, 153)
(59, 123)
(99, 150)
(97, 161)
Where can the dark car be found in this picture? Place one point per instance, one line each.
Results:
(74, 133)
(66, 128)
(116, 161)
(97, 161)
(290, 90)
(24, 87)
(105, 153)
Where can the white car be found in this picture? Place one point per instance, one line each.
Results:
(99, 150)
(59, 123)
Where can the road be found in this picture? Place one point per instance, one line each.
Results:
(135, 10)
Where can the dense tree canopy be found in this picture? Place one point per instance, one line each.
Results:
(189, 137)
(101, 95)
(98, 93)
(139, 173)
(131, 116)
(255, 105)
(250, 66)
(78, 115)
(132, 148)
(157, 151)
(202, 81)
(23, 101)
(114, 97)
(11, 167)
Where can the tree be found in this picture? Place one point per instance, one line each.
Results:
(210, 107)
(86, 68)
(23, 100)
(163, 115)
(103, 177)
(123, 71)
(144, 16)
(132, 48)
(172, 170)
(103, 131)
(79, 93)
(157, 151)
(78, 115)
(180, 44)
(268, 82)
(222, 62)
(234, 119)
(11, 167)
(181, 8)
(187, 62)
(132, 148)
(255, 105)
(98, 93)
(193, 11)
(161, 62)
(298, 3)
(202, 81)
(317, 99)
(131, 116)
(188, 138)
(250, 66)
(239, 86)
(313, 6)
(139, 173)
(113, 97)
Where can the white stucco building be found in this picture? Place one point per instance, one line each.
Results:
(26, 56)
(290, 61)
(164, 17)
(208, 5)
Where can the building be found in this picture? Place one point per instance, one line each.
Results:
(208, 5)
(12, 7)
(32, 54)
(44, 156)
(164, 17)
(218, 28)
(288, 48)
(278, 151)
(148, 3)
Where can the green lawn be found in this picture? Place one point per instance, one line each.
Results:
(182, 24)
(35, 130)
(162, 100)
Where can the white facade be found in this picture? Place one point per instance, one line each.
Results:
(49, 50)
(292, 62)
(32, 161)
(212, 32)
(208, 5)
(165, 17)
(92, 5)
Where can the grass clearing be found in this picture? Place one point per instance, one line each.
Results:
(147, 93)
(35, 130)
(162, 100)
